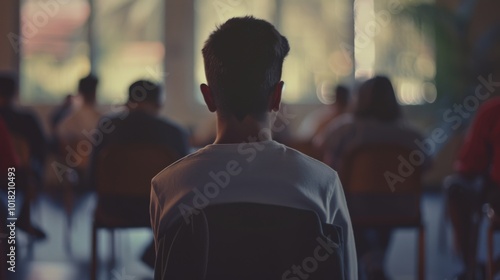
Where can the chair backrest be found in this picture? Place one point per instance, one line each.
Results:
(376, 189)
(82, 150)
(126, 170)
(250, 241)
(364, 170)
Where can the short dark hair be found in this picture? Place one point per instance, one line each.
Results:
(342, 95)
(145, 91)
(243, 62)
(8, 85)
(87, 87)
(377, 100)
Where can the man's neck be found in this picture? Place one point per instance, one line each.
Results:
(232, 131)
(89, 104)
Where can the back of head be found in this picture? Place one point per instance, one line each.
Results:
(8, 86)
(145, 92)
(377, 100)
(243, 63)
(87, 88)
(342, 96)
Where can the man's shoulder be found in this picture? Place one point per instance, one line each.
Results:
(173, 169)
(289, 159)
(313, 163)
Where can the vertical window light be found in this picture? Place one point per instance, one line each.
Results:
(127, 45)
(54, 50)
(315, 30)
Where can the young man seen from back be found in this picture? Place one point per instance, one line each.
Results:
(243, 64)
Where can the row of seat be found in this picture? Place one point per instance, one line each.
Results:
(125, 172)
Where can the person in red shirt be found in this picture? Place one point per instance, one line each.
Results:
(477, 182)
(480, 153)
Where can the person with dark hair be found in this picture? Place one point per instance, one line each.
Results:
(140, 123)
(72, 134)
(376, 119)
(30, 145)
(84, 117)
(243, 64)
(87, 88)
(315, 123)
(8, 157)
(377, 100)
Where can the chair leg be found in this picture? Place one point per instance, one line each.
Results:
(421, 253)
(113, 249)
(95, 260)
(490, 261)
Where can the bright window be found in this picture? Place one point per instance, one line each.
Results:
(127, 36)
(124, 44)
(315, 30)
(391, 40)
(54, 50)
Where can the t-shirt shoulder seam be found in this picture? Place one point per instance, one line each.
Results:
(309, 158)
(187, 157)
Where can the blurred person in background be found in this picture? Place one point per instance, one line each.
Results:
(476, 182)
(30, 146)
(377, 119)
(72, 132)
(139, 123)
(8, 160)
(313, 127)
(315, 123)
(8, 157)
(84, 116)
(58, 115)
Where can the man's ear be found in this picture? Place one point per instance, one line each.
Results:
(274, 104)
(208, 97)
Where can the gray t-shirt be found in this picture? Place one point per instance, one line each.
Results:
(260, 172)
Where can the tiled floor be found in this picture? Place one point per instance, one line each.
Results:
(58, 258)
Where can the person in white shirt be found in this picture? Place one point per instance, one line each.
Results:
(243, 64)
(74, 134)
(84, 117)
